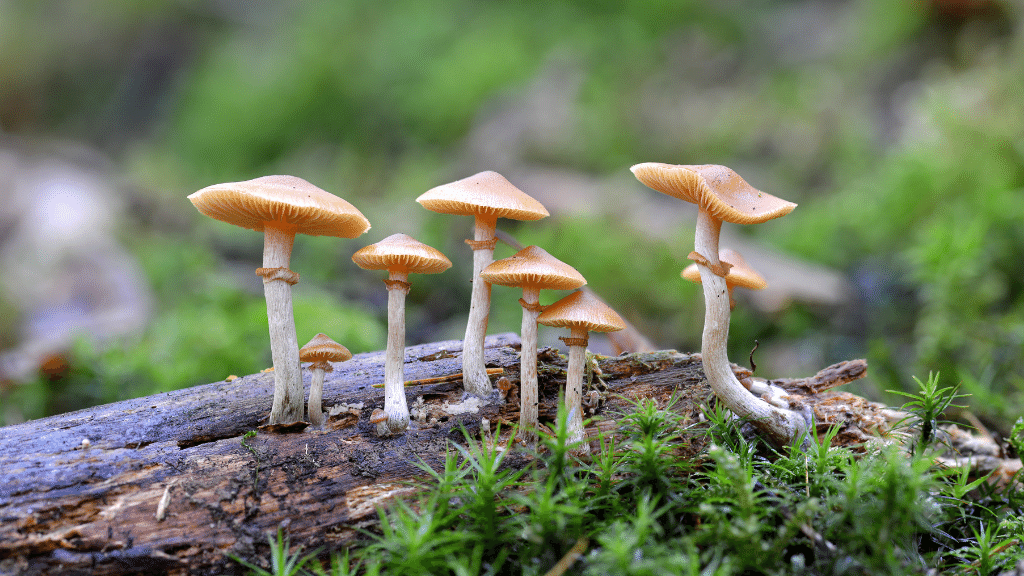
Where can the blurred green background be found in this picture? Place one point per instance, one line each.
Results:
(897, 125)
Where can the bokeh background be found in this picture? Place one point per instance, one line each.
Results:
(897, 125)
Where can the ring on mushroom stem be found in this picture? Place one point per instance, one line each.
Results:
(400, 255)
(723, 196)
(281, 207)
(531, 269)
(486, 196)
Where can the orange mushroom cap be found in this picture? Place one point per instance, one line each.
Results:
(740, 274)
(402, 253)
(485, 194)
(717, 189)
(283, 201)
(533, 267)
(582, 309)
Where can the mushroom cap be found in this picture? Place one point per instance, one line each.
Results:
(401, 253)
(582, 309)
(378, 416)
(533, 267)
(485, 194)
(717, 189)
(282, 201)
(741, 274)
(321, 348)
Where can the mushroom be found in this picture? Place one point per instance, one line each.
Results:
(740, 274)
(722, 195)
(321, 351)
(486, 196)
(400, 255)
(281, 207)
(582, 313)
(380, 422)
(531, 269)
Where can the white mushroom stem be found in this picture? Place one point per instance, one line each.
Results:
(574, 386)
(395, 406)
(316, 392)
(284, 345)
(474, 370)
(528, 365)
(781, 425)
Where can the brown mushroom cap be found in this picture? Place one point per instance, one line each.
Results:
(582, 309)
(740, 275)
(286, 201)
(321, 348)
(378, 416)
(534, 267)
(401, 253)
(484, 194)
(717, 189)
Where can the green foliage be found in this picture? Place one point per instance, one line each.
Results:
(738, 508)
(927, 406)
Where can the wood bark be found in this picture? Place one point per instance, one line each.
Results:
(170, 484)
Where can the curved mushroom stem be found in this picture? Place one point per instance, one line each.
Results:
(395, 406)
(528, 366)
(780, 425)
(316, 393)
(574, 388)
(284, 344)
(474, 371)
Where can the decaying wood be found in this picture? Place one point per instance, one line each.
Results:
(172, 483)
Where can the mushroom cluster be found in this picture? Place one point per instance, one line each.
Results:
(282, 206)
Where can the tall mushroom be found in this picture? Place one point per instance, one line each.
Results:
(281, 207)
(486, 196)
(533, 270)
(582, 313)
(400, 255)
(723, 196)
(740, 274)
(321, 351)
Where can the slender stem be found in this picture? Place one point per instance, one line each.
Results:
(574, 390)
(316, 395)
(395, 406)
(284, 345)
(781, 426)
(528, 367)
(474, 370)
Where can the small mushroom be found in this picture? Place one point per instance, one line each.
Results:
(486, 196)
(533, 270)
(281, 207)
(723, 196)
(321, 351)
(400, 255)
(740, 274)
(380, 421)
(582, 313)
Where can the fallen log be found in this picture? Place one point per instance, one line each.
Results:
(177, 482)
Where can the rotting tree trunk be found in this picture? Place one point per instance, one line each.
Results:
(168, 484)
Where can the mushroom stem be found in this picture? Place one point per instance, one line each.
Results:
(574, 387)
(474, 370)
(528, 365)
(395, 406)
(284, 345)
(316, 393)
(781, 426)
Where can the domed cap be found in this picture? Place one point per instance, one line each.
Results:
(717, 189)
(740, 274)
(321, 348)
(582, 309)
(533, 267)
(484, 194)
(401, 253)
(285, 201)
